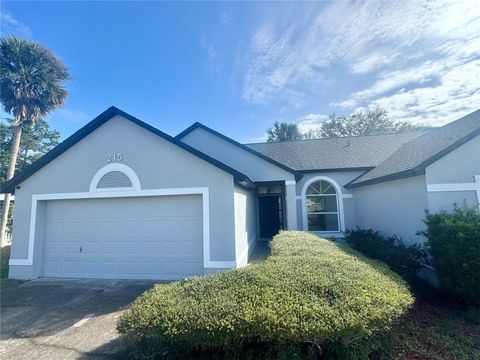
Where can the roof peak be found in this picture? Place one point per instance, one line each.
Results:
(344, 137)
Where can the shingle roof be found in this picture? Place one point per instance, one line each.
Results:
(354, 153)
(414, 156)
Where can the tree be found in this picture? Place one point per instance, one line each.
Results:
(284, 132)
(35, 142)
(369, 122)
(31, 86)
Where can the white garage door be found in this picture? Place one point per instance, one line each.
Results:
(124, 238)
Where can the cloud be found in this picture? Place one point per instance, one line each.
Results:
(214, 60)
(226, 17)
(210, 51)
(456, 94)
(73, 116)
(310, 122)
(276, 68)
(257, 139)
(10, 25)
(434, 89)
(410, 55)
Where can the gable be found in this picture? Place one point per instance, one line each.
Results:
(157, 162)
(256, 166)
(98, 122)
(458, 166)
(413, 157)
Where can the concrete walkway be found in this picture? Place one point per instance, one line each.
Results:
(65, 318)
(259, 253)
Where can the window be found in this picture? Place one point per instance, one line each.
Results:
(114, 179)
(322, 207)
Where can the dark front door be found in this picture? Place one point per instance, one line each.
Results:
(270, 215)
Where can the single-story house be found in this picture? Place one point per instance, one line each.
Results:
(121, 199)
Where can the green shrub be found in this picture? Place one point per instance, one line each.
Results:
(310, 296)
(404, 260)
(453, 240)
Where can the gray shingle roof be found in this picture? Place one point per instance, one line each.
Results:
(414, 156)
(359, 152)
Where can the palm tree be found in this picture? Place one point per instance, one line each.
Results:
(31, 86)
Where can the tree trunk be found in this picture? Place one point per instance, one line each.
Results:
(11, 171)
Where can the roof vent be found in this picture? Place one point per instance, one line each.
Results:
(114, 179)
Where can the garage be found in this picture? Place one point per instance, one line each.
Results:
(154, 237)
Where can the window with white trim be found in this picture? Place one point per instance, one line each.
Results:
(115, 177)
(322, 207)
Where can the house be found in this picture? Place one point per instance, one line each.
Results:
(121, 199)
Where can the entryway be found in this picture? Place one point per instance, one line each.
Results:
(270, 210)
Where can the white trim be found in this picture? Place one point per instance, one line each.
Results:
(242, 259)
(128, 171)
(341, 215)
(2, 197)
(204, 191)
(290, 182)
(451, 187)
(475, 186)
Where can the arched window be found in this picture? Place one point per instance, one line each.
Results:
(322, 206)
(115, 177)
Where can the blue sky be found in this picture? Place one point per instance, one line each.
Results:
(238, 67)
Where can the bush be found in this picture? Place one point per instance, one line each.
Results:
(310, 296)
(454, 242)
(404, 260)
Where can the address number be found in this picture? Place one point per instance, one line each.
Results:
(115, 157)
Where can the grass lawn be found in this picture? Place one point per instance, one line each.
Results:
(436, 328)
(4, 281)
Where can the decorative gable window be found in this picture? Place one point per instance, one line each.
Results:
(322, 207)
(115, 177)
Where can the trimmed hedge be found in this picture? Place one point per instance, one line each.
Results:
(309, 297)
(454, 243)
(404, 260)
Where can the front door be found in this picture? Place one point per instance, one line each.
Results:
(270, 215)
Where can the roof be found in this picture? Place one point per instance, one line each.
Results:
(271, 160)
(413, 157)
(330, 154)
(112, 111)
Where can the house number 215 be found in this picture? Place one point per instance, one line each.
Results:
(115, 157)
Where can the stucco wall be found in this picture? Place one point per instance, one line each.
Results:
(459, 166)
(158, 164)
(249, 164)
(341, 178)
(245, 223)
(394, 207)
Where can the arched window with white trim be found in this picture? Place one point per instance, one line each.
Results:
(322, 207)
(115, 177)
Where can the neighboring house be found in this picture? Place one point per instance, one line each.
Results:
(121, 199)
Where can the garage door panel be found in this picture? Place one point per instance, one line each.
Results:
(150, 237)
(53, 267)
(72, 247)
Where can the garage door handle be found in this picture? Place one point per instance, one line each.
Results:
(81, 248)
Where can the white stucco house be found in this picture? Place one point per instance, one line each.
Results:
(121, 199)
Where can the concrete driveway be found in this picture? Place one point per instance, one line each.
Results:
(65, 318)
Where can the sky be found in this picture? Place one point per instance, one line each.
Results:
(239, 67)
